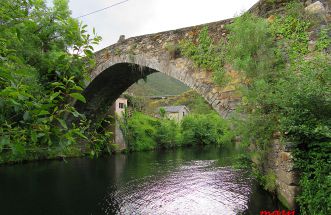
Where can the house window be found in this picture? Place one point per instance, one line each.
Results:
(121, 105)
(183, 113)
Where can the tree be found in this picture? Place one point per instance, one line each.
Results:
(45, 56)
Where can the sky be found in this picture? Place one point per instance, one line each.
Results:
(139, 17)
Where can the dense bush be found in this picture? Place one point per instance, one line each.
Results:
(44, 58)
(141, 132)
(144, 132)
(168, 134)
(287, 92)
(205, 129)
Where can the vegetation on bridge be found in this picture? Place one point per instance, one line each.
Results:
(285, 87)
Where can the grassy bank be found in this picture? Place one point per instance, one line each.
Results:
(143, 132)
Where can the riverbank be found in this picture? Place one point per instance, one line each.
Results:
(41, 155)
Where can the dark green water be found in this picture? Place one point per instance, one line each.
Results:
(185, 181)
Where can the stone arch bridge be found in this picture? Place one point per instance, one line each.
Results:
(124, 63)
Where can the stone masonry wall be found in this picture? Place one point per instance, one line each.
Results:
(280, 161)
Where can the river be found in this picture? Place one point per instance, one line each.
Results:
(183, 181)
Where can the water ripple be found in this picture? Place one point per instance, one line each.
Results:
(194, 187)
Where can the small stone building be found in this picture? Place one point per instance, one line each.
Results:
(176, 112)
(117, 109)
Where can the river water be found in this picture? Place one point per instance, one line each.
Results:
(184, 181)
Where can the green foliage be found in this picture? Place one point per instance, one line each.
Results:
(205, 129)
(137, 103)
(287, 90)
(44, 58)
(256, 57)
(162, 112)
(269, 181)
(324, 40)
(146, 133)
(100, 137)
(173, 50)
(195, 103)
(141, 132)
(242, 161)
(291, 30)
(314, 162)
(168, 134)
(205, 54)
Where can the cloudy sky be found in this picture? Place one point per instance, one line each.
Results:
(138, 17)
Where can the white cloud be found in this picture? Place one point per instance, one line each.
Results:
(138, 17)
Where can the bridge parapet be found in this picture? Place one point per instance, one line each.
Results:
(156, 44)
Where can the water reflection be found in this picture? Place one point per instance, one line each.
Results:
(194, 187)
(186, 181)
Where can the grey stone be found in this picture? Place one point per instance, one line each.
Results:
(316, 8)
(121, 39)
(289, 146)
(289, 178)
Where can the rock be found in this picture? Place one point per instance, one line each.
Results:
(308, 2)
(271, 19)
(289, 178)
(311, 46)
(288, 146)
(285, 156)
(328, 18)
(121, 39)
(286, 194)
(277, 134)
(316, 8)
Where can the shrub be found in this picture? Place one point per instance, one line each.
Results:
(205, 54)
(168, 134)
(288, 90)
(146, 133)
(142, 132)
(205, 129)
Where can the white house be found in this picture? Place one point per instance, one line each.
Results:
(119, 106)
(117, 109)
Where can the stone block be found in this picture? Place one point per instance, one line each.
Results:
(289, 146)
(289, 178)
(287, 193)
(285, 156)
(311, 46)
(316, 8)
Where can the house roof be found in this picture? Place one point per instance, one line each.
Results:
(174, 109)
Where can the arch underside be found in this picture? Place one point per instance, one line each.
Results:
(104, 89)
(115, 76)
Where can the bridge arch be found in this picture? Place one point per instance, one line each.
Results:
(124, 63)
(116, 74)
